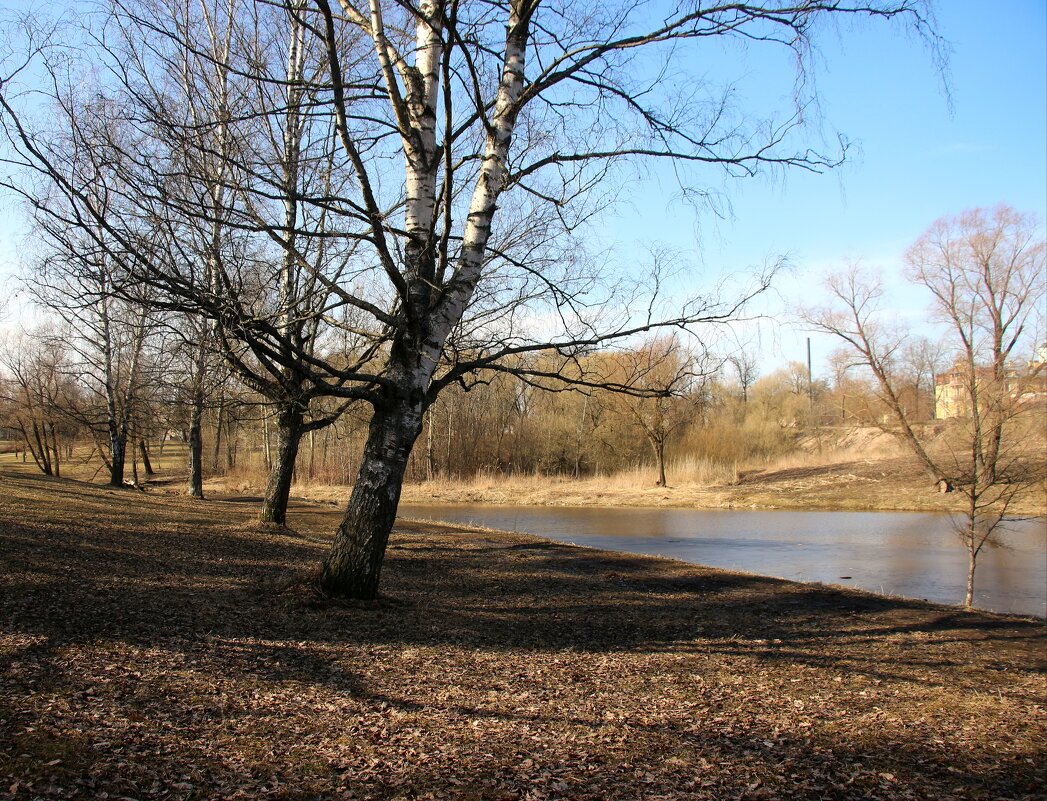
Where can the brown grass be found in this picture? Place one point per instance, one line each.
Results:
(812, 481)
(155, 647)
(850, 469)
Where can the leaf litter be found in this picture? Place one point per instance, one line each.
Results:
(161, 648)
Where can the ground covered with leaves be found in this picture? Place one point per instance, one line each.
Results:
(154, 647)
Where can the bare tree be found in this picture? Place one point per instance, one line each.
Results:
(473, 139)
(666, 380)
(985, 272)
(108, 337)
(37, 388)
(855, 317)
(922, 360)
(746, 367)
(840, 363)
(220, 202)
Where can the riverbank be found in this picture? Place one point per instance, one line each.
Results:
(154, 647)
(894, 483)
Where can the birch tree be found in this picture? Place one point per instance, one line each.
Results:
(475, 141)
(482, 103)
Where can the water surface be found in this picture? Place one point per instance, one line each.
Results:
(916, 555)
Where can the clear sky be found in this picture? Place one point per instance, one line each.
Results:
(924, 148)
(916, 156)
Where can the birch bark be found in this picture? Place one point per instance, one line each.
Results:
(352, 567)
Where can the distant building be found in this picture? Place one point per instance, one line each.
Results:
(952, 397)
(950, 394)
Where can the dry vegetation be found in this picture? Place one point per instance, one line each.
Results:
(154, 647)
(888, 484)
(841, 468)
(848, 469)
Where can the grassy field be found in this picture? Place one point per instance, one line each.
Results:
(152, 647)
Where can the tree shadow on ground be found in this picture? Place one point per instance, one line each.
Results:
(99, 586)
(142, 569)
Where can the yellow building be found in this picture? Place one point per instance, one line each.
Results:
(952, 397)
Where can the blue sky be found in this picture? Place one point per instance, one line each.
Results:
(916, 157)
(924, 147)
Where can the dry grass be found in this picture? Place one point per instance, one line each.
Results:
(807, 482)
(844, 469)
(147, 652)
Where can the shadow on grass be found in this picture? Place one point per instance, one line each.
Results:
(190, 584)
(114, 564)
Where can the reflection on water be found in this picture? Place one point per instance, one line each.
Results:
(915, 555)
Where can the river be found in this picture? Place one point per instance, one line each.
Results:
(916, 555)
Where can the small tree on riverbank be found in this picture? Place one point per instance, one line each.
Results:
(984, 270)
(668, 390)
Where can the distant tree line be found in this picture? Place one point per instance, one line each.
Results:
(54, 398)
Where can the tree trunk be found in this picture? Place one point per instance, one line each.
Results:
(216, 452)
(972, 562)
(41, 443)
(146, 463)
(267, 450)
(447, 455)
(57, 462)
(196, 445)
(278, 486)
(430, 456)
(312, 454)
(118, 449)
(578, 439)
(42, 463)
(659, 458)
(230, 444)
(353, 565)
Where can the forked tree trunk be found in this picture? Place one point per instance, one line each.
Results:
(353, 566)
(46, 447)
(40, 452)
(278, 486)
